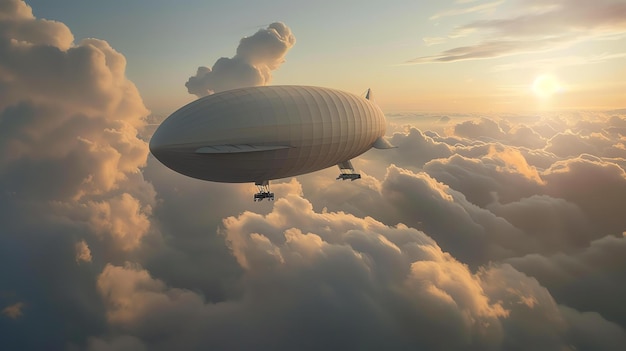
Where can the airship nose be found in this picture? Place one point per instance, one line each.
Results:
(158, 143)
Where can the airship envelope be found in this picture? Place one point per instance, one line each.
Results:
(257, 134)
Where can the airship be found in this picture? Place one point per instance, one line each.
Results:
(258, 134)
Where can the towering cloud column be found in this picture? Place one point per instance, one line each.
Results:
(257, 56)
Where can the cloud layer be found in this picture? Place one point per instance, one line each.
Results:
(474, 234)
(308, 275)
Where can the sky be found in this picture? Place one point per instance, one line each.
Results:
(451, 56)
(496, 224)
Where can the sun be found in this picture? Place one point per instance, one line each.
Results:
(546, 85)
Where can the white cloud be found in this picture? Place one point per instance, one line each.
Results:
(70, 174)
(588, 279)
(83, 254)
(310, 272)
(257, 56)
(535, 26)
(486, 7)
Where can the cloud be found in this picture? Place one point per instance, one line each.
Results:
(502, 173)
(13, 311)
(470, 233)
(486, 7)
(589, 280)
(496, 48)
(537, 26)
(71, 187)
(423, 148)
(570, 144)
(17, 22)
(83, 254)
(533, 309)
(475, 130)
(309, 274)
(296, 270)
(121, 217)
(507, 200)
(473, 234)
(497, 233)
(257, 56)
(68, 129)
(598, 187)
(434, 40)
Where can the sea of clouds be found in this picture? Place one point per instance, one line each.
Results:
(476, 233)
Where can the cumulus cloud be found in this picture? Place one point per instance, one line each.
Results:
(536, 26)
(68, 128)
(569, 144)
(589, 279)
(17, 23)
(83, 254)
(309, 274)
(479, 129)
(257, 56)
(429, 147)
(501, 174)
(488, 199)
(596, 186)
(71, 188)
(532, 308)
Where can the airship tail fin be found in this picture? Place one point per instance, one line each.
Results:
(383, 143)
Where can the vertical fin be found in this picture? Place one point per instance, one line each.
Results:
(383, 143)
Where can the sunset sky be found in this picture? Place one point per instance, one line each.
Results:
(450, 56)
(498, 222)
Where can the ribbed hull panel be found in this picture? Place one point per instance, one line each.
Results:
(321, 127)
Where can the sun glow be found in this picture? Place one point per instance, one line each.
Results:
(545, 85)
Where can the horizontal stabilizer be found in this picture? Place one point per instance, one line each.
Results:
(237, 148)
(382, 143)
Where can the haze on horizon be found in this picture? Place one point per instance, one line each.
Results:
(498, 226)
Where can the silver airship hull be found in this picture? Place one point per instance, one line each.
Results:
(257, 134)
